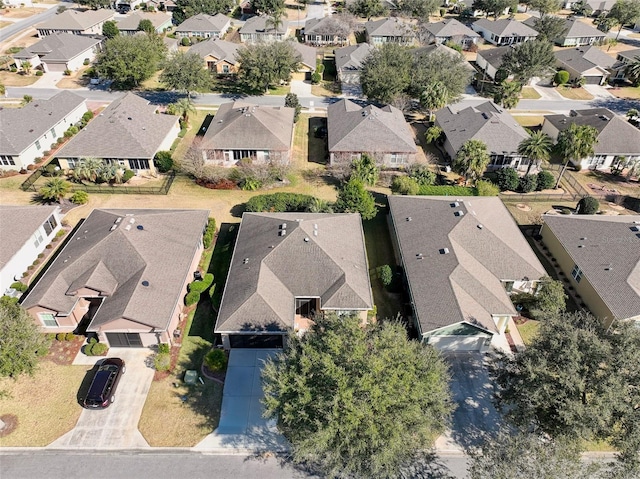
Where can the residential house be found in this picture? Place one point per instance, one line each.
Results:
(587, 62)
(288, 267)
(162, 5)
(504, 32)
(440, 48)
(59, 52)
(389, 30)
(381, 133)
(308, 57)
(88, 22)
(490, 61)
(122, 276)
(204, 26)
(129, 25)
(218, 55)
(466, 7)
(125, 6)
(349, 62)
(326, 31)
(260, 29)
(241, 131)
(600, 256)
(27, 132)
(488, 123)
(579, 33)
(129, 131)
(616, 137)
(597, 6)
(451, 30)
(26, 232)
(622, 60)
(462, 258)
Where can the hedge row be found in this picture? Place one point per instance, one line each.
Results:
(279, 203)
(209, 233)
(196, 288)
(446, 190)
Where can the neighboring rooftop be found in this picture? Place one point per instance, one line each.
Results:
(132, 20)
(18, 224)
(352, 57)
(76, 20)
(576, 28)
(204, 23)
(352, 128)
(494, 56)
(138, 260)
(607, 250)
(270, 127)
(128, 128)
(59, 47)
(506, 27)
(454, 263)
(321, 255)
(21, 127)
(308, 54)
(388, 27)
(585, 58)
(450, 28)
(219, 49)
(260, 24)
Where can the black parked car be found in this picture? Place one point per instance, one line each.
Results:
(103, 386)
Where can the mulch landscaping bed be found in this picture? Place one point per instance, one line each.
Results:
(161, 375)
(64, 352)
(10, 424)
(216, 376)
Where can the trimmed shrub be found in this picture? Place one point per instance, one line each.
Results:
(446, 190)
(561, 77)
(67, 72)
(80, 198)
(31, 167)
(404, 185)
(163, 161)
(316, 78)
(191, 298)
(588, 206)
(486, 188)
(69, 336)
(164, 348)
(507, 179)
(385, 274)
(99, 349)
(422, 174)
(528, 183)
(19, 286)
(61, 336)
(209, 233)
(127, 175)
(39, 73)
(216, 360)
(162, 362)
(200, 286)
(545, 181)
(279, 203)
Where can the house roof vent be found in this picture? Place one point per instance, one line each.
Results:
(113, 227)
(283, 232)
(283, 226)
(459, 213)
(245, 261)
(145, 283)
(409, 218)
(118, 220)
(306, 239)
(444, 251)
(635, 228)
(480, 227)
(128, 227)
(455, 204)
(140, 227)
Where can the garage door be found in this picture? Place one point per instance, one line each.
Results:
(593, 80)
(458, 343)
(124, 340)
(263, 341)
(56, 67)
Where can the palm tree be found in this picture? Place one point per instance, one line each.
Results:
(26, 67)
(87, 169)
(434, 96)
(55, 189)
(632, 70)
(537, 148)
(576, 143)
(183, 107)
(275, 20)
(471, 160)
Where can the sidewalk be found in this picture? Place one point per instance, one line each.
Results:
(548, 93)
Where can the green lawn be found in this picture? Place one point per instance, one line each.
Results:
(528, 330)
(529, 93)
(574, 93)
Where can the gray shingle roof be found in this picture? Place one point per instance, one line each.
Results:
(494, 56)
(616, 136)
(204, 23)
(608, 242)
(127, 128)
(238, 125)
(450, 28)
(497, 128)
(20, 127)
(268, 271)
(18, 224)
(321, 25)
(506, 27)
(118, 261)
(131, 21)
(308, 55)
(436, 48)
(465, 284)
(388, 27)
(219, 49)
(75, 20)
(584, 58)
(576, 28)
(258, 24)
(630, 54)
(59, 47)
(350, 58)
(368, 129)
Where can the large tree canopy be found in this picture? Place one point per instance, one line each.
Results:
(550, 27)
(354, 198)
(530, 59)
(357, 401)
(386, 72)
(439, 68)
(21, 342)
(367, 8)
(188, 8)
(185, 72)
(266, 64)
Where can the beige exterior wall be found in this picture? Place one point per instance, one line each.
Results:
(65, 323)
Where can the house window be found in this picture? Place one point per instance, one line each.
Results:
(37, 238)
(397, 158)
(48, 319)
(72, 162)
(38, 145)
(576, 273)
(7, 160)
(139, 164)
(225, 68)
(53, 132)
(241, 154)
(50, 225)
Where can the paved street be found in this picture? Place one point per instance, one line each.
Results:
(18, 26)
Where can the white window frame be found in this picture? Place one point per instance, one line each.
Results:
(50, 317)
(576, 273)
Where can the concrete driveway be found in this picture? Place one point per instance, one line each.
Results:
(115, 427)
(472, 392)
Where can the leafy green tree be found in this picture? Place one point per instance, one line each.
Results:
(508, 94)
(438, 68)
(521, 454)
(110, 29)
(487, 188)
(95, 4)
(471, 160)
(537, 148)
(357, 401)
(367, 8)
(291, 101)
(581, 8)
(188, 8)
(433, 133)
(146, 26)
(527, 183)
(529, 59)
(545, 181)
(588, 206)
(55, 189)
(385, 274)
(129, 60)
(386, 73)
(404, 185)
(632, 71)
(265, 64)
(625, 12)
(545, 7)
(494, 8)
(561, 77)
(507, 179)
(354, 198)
(550, 27)
(574, 144)
(422, 174)
(550, 299)
(21, 342)
(184, 72)
(268, 7)
(365, 170)
(420, 9)
(26, 99)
